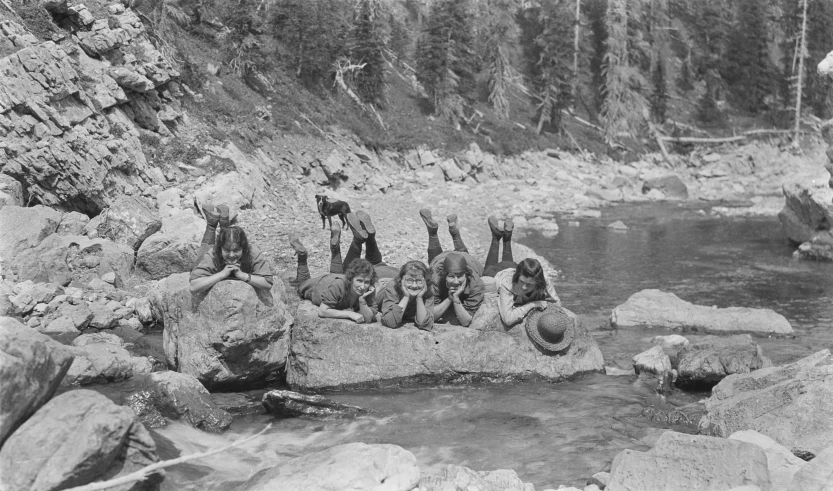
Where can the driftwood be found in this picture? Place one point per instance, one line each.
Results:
(145, 472)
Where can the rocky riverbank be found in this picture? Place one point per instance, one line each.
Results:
(102, 258)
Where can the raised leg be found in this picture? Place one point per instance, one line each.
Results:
(336, 265)
(212, 218)
(508, 227)
(494, 247)
(302, 273)
(459, 246)
(434, 246)
(359, 238)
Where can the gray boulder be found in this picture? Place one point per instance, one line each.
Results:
(11, 191)
(456, 477)
(25, 228)
(129, 221)
(31, 368)
(331, 353)
(162, 255)
(670, 185)
(681, 461)
(177, 396)
(711, 359)
(290, 404)
(77, 438)
(807, 212)
(653, 361)
(232, 337)
(72, 223)
(655, 308)
(782, 464)
(816, 475)
(790, 404)
(64, 258)
(349, 466)
(103, 363)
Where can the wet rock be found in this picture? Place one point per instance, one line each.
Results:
(177, 396)
(290, 404)
(129, 221)
(807, 212)
(25, 228)
(102, 363)
(781, 462)
(335, 353)
(671, 342)
(162, 255)
(600, 479)
(671, 186)
(63, 258)
(233, 338)
(711, 359)
(816, 475)
(655, 308)
(77, 438)
(141, 306)
(789, 404)
(72, 223)
(652, 361)
(11, 192)
(349, 466)
(31, 368)
(240, 404)
(456, 477)
(681, 461)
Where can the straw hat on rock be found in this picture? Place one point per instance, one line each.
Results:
(551, 329)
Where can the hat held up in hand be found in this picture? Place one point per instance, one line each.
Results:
(551, 329)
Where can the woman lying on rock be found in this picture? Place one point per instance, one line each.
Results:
(522, 287)
(457, 287)
(346, 292)
(408, 298)
(228, 256)
(364, 234)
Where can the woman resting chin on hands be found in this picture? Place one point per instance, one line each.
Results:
(408, 298)
(231, 258)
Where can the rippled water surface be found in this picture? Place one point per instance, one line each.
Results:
(555, 434)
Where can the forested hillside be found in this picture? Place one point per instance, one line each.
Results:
(509, 74)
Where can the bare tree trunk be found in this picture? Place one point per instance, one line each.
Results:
(575, 49)
(800, 80)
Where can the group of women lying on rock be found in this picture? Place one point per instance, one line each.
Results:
(364, 290)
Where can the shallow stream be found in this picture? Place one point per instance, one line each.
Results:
(553, 434)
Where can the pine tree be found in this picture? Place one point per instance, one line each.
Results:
(445, 58)
(659, 96)
(553, 74)
(818, 91)
(748, 70)
(367, 45)
(497, 33)
(596, 10)
(684, 78)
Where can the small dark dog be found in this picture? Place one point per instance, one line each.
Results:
(327, 209)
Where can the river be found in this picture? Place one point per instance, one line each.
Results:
(553, 434)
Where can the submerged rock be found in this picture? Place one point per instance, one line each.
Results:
(172, 395)
(292, 405)
(234, 339)
(329, 353)
(31, 368)
(681, 461)
(790, 404)
(655, 308)
(670, 185)
(458, 477)
(77, 438)
(350, 466)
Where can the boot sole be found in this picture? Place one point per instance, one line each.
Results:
(494, 226)
(356, 226)
(295, 242)
(335, 234)
(364, 219)
(425, 214)
(508, 225)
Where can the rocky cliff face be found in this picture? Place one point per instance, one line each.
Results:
(70, 111)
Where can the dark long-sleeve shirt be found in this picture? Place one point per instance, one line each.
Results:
(393, 316)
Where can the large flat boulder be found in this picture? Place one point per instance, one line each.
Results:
(129, 220)
(31, 367)
(349, 466)
(231, 337)
(808, 211)
(332, 353)
(64, 258)
(782, 464)
(655, 308)
(77, 438)
(99, 362)
(790, 404)
(681, 461)
(710, 360)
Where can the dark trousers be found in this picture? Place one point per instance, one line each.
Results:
(507, 261)
(303, 273)
(435, 248)
(371, 253)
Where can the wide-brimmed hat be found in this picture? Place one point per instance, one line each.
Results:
(552, 329)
